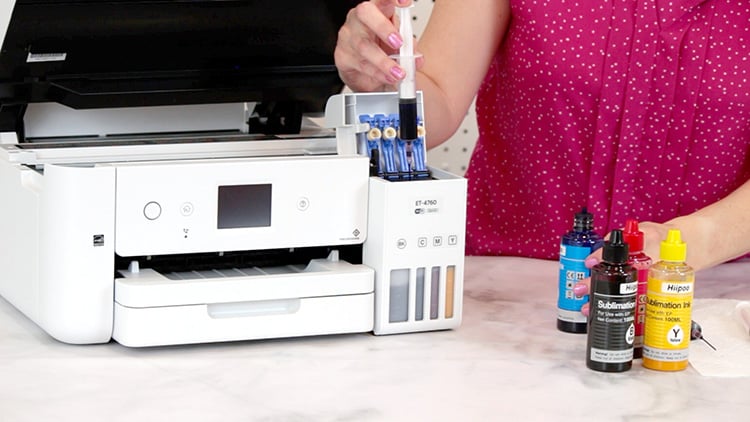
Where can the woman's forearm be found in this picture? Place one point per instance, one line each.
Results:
(719, 232)
(458, 45)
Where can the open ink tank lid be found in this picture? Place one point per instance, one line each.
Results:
(615, 249)
(632, 236)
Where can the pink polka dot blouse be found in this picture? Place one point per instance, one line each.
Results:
(632, 108)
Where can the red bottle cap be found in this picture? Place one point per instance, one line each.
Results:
(632, 236)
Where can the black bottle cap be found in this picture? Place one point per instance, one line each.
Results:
(584, 221)
(615, 249)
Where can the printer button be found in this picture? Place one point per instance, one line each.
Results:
(303, 204)
(186, 209)
(152, 210)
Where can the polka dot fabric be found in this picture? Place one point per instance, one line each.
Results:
(632, 108)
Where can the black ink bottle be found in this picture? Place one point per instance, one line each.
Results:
(611, 326)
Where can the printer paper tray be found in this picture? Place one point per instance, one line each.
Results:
(332, 298)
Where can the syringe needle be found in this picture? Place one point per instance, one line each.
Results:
(696, 332)
(709, 344)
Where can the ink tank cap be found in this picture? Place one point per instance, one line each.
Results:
(673, 248)
(584, 220)
(615, 250)
(633, 237)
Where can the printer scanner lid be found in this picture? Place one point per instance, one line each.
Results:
(90, 54)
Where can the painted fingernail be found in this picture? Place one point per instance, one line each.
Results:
(585, 311)
(402, 2)
(395, 40)
(397, 72)
(590, 261)
(391, 80)
(580, 289)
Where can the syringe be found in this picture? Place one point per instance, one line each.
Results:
(407, 89)
(696, 333)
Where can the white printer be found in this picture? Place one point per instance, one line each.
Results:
(164, 181)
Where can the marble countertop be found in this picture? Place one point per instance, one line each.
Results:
(506, 362)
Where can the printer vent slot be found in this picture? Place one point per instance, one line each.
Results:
(214, 265)
(233, 272)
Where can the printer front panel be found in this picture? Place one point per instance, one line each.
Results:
(241, 204)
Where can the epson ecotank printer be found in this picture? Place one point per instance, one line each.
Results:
(180, 171)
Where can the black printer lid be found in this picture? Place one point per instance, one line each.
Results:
(123, 53)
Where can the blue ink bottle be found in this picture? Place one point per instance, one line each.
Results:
(575, 246)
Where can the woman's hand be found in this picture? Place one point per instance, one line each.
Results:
(714, 234)
(459, 43)
(365, 42)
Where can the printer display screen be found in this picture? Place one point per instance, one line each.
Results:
(243, 206)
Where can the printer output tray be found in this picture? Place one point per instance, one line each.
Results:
(325, 297)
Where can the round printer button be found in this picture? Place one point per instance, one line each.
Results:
(186, 209)
(152, 210)
(303, 204)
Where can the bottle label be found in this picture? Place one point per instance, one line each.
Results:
(629, 288)
(676, 287)
(668, 309)
(612, 327)
(572, 270)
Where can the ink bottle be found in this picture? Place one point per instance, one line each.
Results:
(641, 262)
(575, 246)
(669, 307)
(611, 330)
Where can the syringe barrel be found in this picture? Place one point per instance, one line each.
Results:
(407, 111)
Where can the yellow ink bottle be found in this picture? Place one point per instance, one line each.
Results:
(669, 294)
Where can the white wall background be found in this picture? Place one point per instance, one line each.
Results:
(453, 155)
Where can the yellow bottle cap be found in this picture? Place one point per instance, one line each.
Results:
(673, 248)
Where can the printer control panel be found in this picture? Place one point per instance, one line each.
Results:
(243, 204)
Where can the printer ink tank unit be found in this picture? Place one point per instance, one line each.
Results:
(142, 205)
(417, 218)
